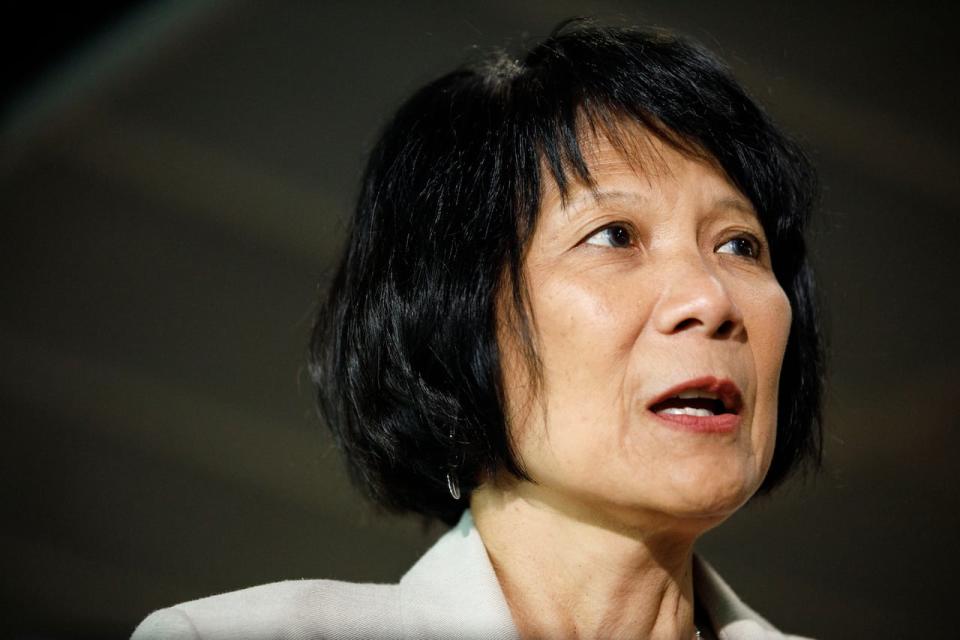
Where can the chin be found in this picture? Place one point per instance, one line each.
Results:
(714, 496)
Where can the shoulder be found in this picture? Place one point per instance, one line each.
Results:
(450, 593)
(295, 609)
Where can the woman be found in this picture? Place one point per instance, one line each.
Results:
(574, 317)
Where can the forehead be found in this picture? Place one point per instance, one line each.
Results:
(632, 164)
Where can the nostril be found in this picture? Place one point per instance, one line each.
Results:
(686, 324)
(725, 329)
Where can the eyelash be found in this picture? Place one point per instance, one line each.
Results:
(610, 228)
(753, 243)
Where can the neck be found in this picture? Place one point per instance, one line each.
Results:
(566, 576)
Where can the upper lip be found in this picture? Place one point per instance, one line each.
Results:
(727, 391)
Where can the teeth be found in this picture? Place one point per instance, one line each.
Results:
(695, 393)
(687, 411)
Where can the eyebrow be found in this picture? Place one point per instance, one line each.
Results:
(588, 197)
(735, 203)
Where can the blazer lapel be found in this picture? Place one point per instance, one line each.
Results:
(452, 591)
(729, 616)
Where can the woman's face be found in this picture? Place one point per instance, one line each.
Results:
(661, 330)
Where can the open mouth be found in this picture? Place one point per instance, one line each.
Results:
(691, 403)
(704, 400)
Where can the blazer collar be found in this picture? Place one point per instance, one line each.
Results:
(453, 592)
(729, 616)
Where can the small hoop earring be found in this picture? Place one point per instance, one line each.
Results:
(453, 483)
(453, 486)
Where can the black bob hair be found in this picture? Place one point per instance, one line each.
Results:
(404, 352)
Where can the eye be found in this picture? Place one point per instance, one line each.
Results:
(743, 246)
(616, 236)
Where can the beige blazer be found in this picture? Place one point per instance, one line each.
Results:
(450, 593)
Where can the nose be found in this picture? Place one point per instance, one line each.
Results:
(695, 299)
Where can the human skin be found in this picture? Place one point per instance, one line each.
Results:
(660, 275)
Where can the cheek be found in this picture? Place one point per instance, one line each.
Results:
(768, 317)
(779, 322)
(586, 331)
(585, 325)
(769, 334)
(584, 337)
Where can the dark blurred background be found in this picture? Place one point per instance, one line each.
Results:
(174, 178)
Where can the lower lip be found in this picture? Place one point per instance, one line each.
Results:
(723, 423)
